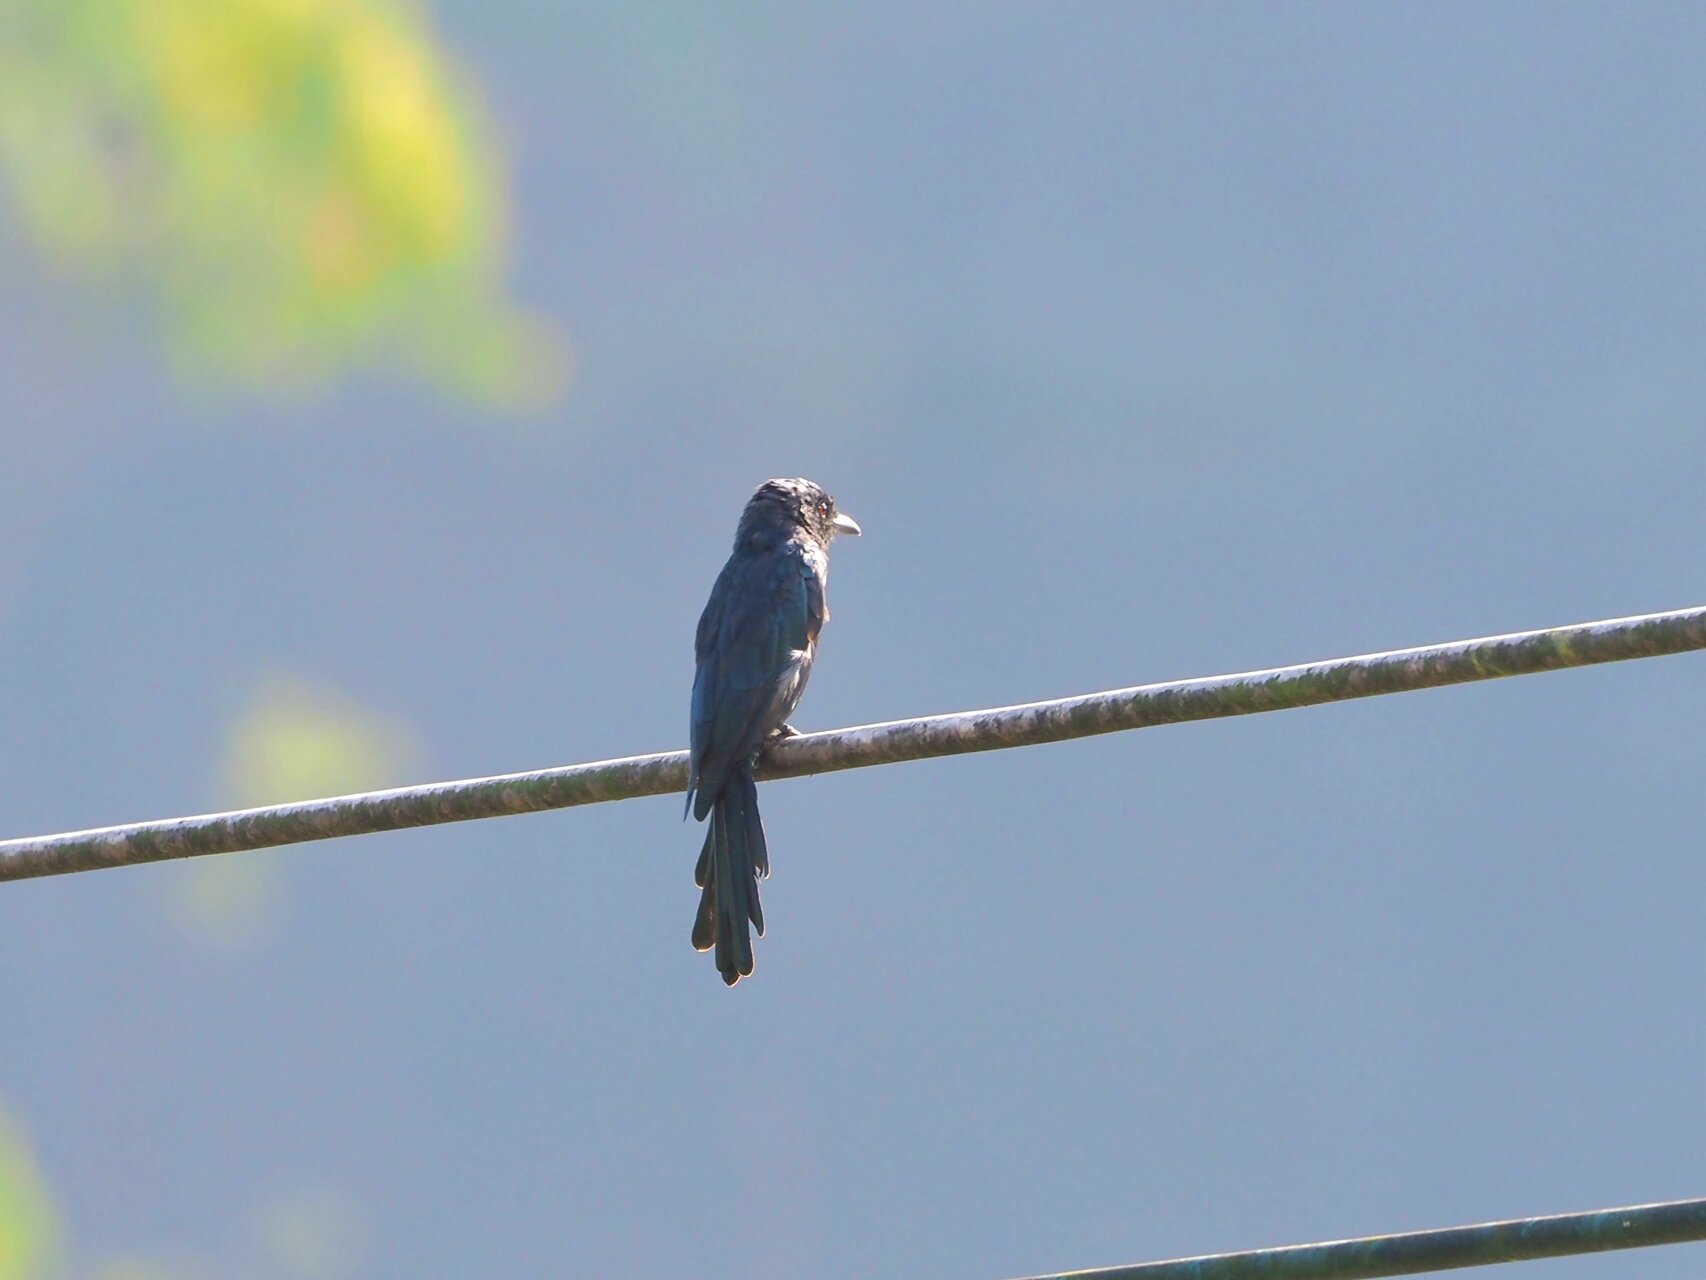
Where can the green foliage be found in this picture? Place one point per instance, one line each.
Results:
(298, 740)
(300, 184)
(29, 1225)
(294, 741)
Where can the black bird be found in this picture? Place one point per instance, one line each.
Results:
(756, 641)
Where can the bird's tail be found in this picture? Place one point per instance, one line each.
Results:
(730, 865)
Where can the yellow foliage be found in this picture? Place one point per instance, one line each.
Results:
(302, 182)
(29, 1225)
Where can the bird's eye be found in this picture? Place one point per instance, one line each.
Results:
(823, 506)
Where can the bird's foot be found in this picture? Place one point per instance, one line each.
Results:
(778, 734)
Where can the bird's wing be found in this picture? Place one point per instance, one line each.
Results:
(755, 640)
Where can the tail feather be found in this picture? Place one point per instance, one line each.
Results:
(734, 887)
(734, 857)
(702, 872)
(754, 835)
(705, 923)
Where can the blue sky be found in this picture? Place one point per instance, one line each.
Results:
(1145, 342)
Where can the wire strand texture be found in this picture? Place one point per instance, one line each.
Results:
(1030, 724)
(1516, 1240)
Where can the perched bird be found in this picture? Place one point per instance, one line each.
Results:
(756, 641)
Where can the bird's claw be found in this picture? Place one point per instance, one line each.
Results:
(777, 734)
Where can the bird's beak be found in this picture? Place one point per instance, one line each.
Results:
(845, 524)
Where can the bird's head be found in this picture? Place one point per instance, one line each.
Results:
(784, 505)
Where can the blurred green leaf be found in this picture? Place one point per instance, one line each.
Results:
(297, 740)
(301, 183)
(29, 1224)
(294, 741)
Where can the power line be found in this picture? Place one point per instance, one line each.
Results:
(1518, 1240)
(1030, 724)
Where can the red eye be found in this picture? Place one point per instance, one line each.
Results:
(823, 507)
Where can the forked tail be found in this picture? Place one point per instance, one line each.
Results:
(730, 865)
